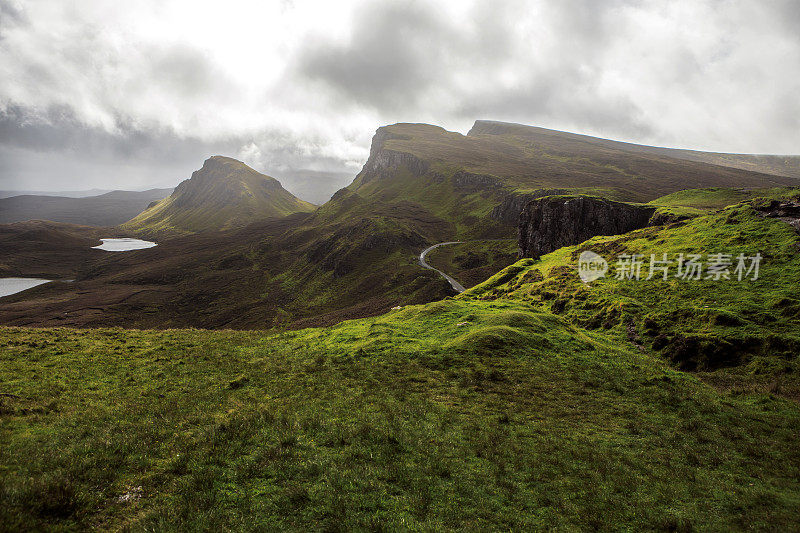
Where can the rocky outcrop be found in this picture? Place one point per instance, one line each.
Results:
(383, 161)
(663, 218)
(467, 182)
(549, 223)
(512, 205)
(788, 211)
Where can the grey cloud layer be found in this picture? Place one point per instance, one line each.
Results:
(81, 96)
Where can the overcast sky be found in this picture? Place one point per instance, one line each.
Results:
(110, 94)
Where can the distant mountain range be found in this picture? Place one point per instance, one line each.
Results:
(224, 194)
(108, 209)
(67, 194)
(237, 250)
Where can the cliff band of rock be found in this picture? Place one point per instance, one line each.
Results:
(788, 211)
(382, 160)
(511, 206)
(549, 223)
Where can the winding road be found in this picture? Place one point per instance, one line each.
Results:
(453, 283)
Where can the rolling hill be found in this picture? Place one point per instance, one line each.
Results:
(223, 194)
(109, 209)
(67, 194)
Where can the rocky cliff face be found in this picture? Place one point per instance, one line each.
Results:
(549, 223)
(382, 160)
(469, 182)
(511, 206)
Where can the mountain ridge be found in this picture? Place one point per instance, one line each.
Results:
(787, 165)
(356, 255)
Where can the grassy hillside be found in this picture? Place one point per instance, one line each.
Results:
(272, 273)
(702, 324)
(109, 209)
(701, 201)
(465, 180)
(453, 415)
(775, 165)
(532, 401)
(779, 165)
(223, 194)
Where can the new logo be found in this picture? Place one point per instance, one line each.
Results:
(591, 266)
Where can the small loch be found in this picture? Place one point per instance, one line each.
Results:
(9, 286)
(123, 245)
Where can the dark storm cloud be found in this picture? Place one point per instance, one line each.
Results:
(58, 129)
(10, 15)
(156, 87)
(689, 73)
(10, 11)
(788, 14)
(393, 57)
(399, 52)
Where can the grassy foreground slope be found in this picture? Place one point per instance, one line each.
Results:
(532, 401)
(452, 415)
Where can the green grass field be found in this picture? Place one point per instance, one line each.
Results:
(453, 415)
(532, 401)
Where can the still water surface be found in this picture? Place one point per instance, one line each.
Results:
(123, 245)
(10, 286)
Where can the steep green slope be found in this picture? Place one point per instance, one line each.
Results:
(701, 324)
(223, 194)
(454, 415)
